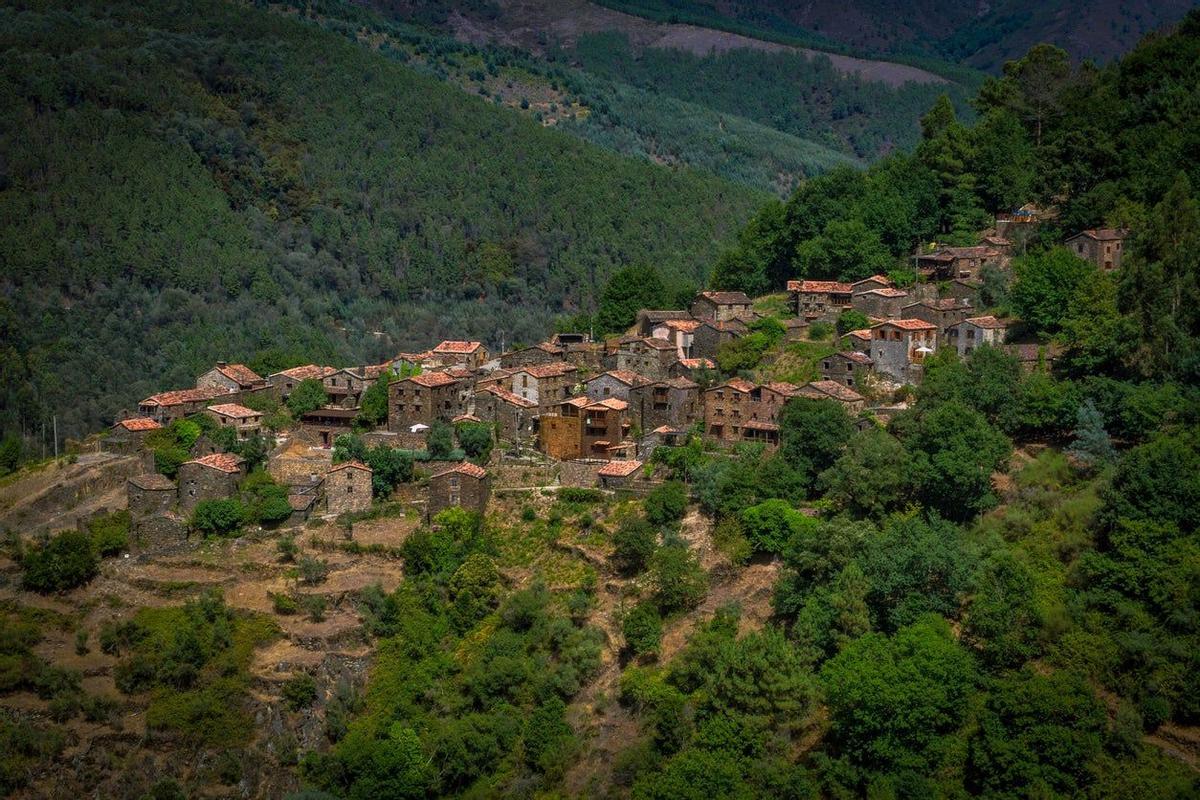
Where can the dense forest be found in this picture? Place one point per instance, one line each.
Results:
(192, 182)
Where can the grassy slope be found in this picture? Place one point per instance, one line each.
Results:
(199, 181)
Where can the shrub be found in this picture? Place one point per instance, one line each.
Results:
(288, 549)
(81, 643)
(313, 570)
(666, 503)
(218, 517)
(110, 533)
(314, 605)
(678, 579)
(819, 331)
(572, 494)
(642, 628)
(300, 691)
(633, 545)
(283, 603)
(66, 561)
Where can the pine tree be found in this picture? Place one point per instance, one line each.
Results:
(1092, 445)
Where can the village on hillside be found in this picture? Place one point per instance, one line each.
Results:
(585, 413)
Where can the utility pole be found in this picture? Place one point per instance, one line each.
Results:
(56, 437)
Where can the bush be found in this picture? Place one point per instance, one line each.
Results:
(283, 603)
(313, 570)
(819, 331)
(110, 533)
(314, 606)
(288, 549)
(218, 517)
(642, 629)
(300, 691)
(309, 395)
(633, 545)
(666, 503)
(66, 561)
(572, 494)
(679, 581)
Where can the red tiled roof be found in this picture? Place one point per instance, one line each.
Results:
(241, 374)
(834, 390)
(861, 333)
(780, 387)
(988, 321)
(181, 396)
(431, 379)
(909, 324)
(681, 383)
(138, 424)
(759, 425)
(306, 372)
(888, 291)
(413, 358)
(234, 410)
(611, 403)
(685, 325)
(466, 418)
(225, 462)
(856, 357)
(457, 347)
(540, 371)
(740, 384)
(727, 298)
(465, 468)
(626, 376)
(665, 429)
(885, 280)
(348, 465)
(657, 343)
(509, 397)
(820, 287)
(697, 363)
(619, 469)
(577, 402)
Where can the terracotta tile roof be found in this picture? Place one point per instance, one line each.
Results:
(861, 333)
(625, 376)
(884, 279)
(234, 410)
(152, 481)
(835, 390)
(466, 418)
(577, 402)
(508, 397)
(413, 358)
(181, 396)
(461, 373)
(540, 371)
(665, 429)
(431, 379)
(372, 371)
(820, 287)
(760, 425)
(685, 325)
(681, 383)
(611, 403)
(306, 372)
(697, 363)
(988, 321)
(548, 347)
(348, 465)
(1103, 234)
(138, 424)
(856, 357)
(657, 343)
(780, 387)
(465, 468)
(225, 462)
(240, 373)
(619, 469)
(909, 324)
(943, 304)
(661, 315)
(457, 347)
(740, 384)
(727, 298)
(888, 291)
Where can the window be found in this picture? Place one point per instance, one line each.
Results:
(349, 490)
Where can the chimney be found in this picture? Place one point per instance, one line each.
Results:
(222, 363)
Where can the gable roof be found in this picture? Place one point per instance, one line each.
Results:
(464, 468)
(990, 322)
(861, 333)
(908, 324)
(225, 462)
(349, 465)
(1102, 234)
(181, 396)
(234, 410)
(740, 384)
(855, 356)
(152, 481)
(655, 343)
(619, 469)
(835, 390)
(540, 371)
(305, 372)
(820, 287)
(698, 363)
(726, 298)
(942, 304)
(138, 424)
(888, 291)
(610, 403)
(430, 380)
(881, 279)
(685, 325)
(508, 397)
(239, 373)
(625, 376)
(457, 347)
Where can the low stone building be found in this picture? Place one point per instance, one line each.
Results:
(974, 332)
(424, 399)
(150, 495)
(721, 306)
(795, 329)
(694, 369)
(544, 353)
(871, 284)
(963, 290)
(648, 356)
(820, 300)
(1103, 247)
(942, 313)
(298, 464)
(649, 319)
(899, 347)
(286, 381)
(326, 424)
(451, 352)
(859, 341)
(678, 332)
(129, 435)
(166, 407)
(708, 338)
(545, 385)
(618, 474)
(213, 477)
(232, 378)
(674, 403)
(849, 368)
(464, 485)
(851, 400)
(946, 263)
(738, 410)
(245, 422)
(348, 488)
(512, 414)
(614, 383)
(882, 303)
(585, 429)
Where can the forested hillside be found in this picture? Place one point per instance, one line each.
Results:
(983, 35)
(194, 181)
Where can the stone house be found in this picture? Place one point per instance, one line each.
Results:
(851, 400)
(471, 355)
(129, 435)
(678, 332)
(324, 425)
(694, 369)
(232, 378)
(464, 485)
(150, 495)
(649, 319)
(545, 385)
(882, 303)
(900, 346)
(245, 422)
(285, 381)
(166, 407)
(512, 414)
(345, 386)
(647, 356)
(721, 306)
(1103, 247)
(412, 361)
(544, 353)
(213, 477)
(348, 488)
(943, 312)
(424, 399)
(870, 284)
(614, 383)
(823, 300)
(298, 465)
(708, 338)
(946, 263)
(963, 290)
(618, 474)
(674, 403)
(850, 368)
(973, 332)
(739, 410)
(859, 341)
(795, 329)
